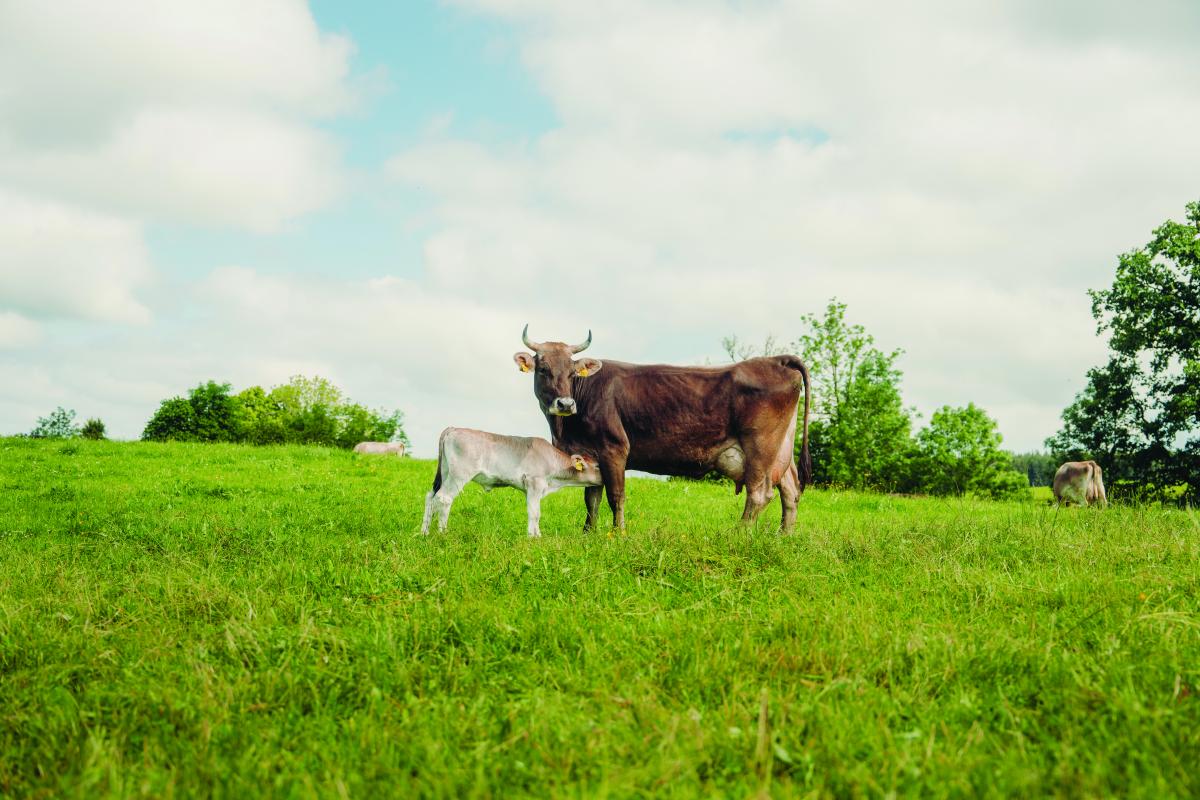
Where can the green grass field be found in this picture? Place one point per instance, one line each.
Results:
(239, 622)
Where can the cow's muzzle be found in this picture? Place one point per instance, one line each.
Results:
(563, 406)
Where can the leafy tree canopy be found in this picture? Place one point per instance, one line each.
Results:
(959, 452)
(302, 411)
(58, 424)
(1139, 415)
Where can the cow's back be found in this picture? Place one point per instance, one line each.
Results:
(490, 459)
(677, 420)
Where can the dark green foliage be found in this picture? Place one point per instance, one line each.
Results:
(217, 413)
(92, 429)
(301, 411)
(1038, 468)
(1139, 415)
(209, 414)
(175, 420)
(58, 424)
(959, 452)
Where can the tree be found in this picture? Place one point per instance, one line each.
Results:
(218, 414)
(175, 420)
(860, 432)
(59, 424)
(93, 429)
(959, 452)
(1139, 415)
(262, 418)
(1038, 468)
(209, 414)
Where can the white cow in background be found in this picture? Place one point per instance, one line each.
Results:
(528, 463)
(1080, 482)
(381, 448)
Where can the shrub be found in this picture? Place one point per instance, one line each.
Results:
(959, 452)
(59, 424)
(92, 429)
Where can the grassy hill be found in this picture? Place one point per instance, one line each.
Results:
(204, 619)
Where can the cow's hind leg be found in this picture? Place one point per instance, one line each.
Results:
(789, 494)
(758, 494)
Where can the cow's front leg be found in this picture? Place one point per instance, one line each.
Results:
(592, 496)
(612, 470)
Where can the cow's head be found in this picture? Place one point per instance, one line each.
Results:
(553, 367)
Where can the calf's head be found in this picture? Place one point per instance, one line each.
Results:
(585, 471)
(553, 366)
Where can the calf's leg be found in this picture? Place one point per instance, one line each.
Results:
(428, 512)
(445, 498)
(534, 492)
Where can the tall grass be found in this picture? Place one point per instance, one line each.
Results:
(236, 621)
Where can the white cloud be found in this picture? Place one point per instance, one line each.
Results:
(199, 113)
(74, 69)
(115, 115)
(59, 261)
(17, 331)
(214, 166)
(958, 174)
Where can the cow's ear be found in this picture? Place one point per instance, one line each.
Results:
(587, 366)
(578, 463)
(524, 361)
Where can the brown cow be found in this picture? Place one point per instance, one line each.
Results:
(1080, 482)
(739, 420)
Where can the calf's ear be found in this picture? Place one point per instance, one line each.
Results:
(587, 366)
(578, 463)
(524, 361)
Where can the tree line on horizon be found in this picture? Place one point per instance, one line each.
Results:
(302, 411)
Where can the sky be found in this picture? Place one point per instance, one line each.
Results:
(384, 194)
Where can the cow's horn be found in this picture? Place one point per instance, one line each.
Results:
(579, 348)
(525, 338)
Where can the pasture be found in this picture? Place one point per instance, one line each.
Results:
(237, 621)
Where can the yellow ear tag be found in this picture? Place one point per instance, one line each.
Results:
(579, 464)
(583, 372)
(524, 368)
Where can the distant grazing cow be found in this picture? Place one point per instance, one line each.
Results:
(1080, 482)
(739, 419)
(527, 463)
(380, 448)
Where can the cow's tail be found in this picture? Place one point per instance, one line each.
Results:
(804, 460)
(437, 476)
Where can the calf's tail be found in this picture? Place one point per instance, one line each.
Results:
(437, 476)
(804, 461)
